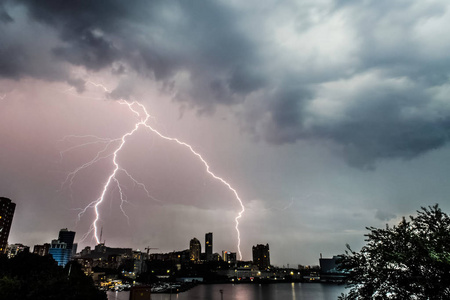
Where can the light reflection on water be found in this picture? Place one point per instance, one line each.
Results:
(306, 291)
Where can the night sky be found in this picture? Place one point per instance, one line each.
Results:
(325, 116)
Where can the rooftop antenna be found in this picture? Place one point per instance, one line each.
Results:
(70, 269)
(101, 233)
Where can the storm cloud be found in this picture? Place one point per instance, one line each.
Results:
(290, 102)
(370, 77)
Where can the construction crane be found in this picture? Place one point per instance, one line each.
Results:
(148, 249)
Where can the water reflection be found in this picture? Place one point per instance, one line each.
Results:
(304, 291)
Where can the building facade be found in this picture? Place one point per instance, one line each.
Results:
(41, 250)
(209, 246)
(261, 256)
(195, 249)
(329, 270)
(62, 248)
(7, 208)
(67, 237)
(61, 254)
(14, 249)
(229, 257)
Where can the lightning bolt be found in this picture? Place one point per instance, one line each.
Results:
(143, 118)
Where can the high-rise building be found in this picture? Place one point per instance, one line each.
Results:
(261, 256)
(67, 237)
(7, 208)
(62, 248)
(209, 246)
(195, 249)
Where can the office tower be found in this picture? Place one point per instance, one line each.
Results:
(6, 215)
(209, 246)
(41, 250)
(195, 248)
(261, 256)
(61, 249)
(61, 254)
(67, 237)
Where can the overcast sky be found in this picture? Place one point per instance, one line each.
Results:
(325, 116)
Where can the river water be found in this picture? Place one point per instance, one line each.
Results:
(276, 291)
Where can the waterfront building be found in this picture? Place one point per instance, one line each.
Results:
(41, 250)
(229, 257)
(7, 208)
(209, 246)
(328, 265)
(261, 256)
(329, 269)
(195, 249)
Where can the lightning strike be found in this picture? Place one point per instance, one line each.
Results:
(70, 177)
(143, 117)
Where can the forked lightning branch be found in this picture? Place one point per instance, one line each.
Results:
(142, 123)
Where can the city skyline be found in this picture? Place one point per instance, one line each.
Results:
(326, 117)
(64, 249)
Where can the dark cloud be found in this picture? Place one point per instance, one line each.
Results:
(89, 50)
(4, 16)
(286, 115)
(376, 124)
(211, 53)
(245, 80)
(156, 38)
(25, 51)
(12, 66)
(380, 128)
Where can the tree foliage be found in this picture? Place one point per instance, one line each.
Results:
(30, 276)
(407, 261)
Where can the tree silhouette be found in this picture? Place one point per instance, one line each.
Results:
(30, 276)
(407, 261)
